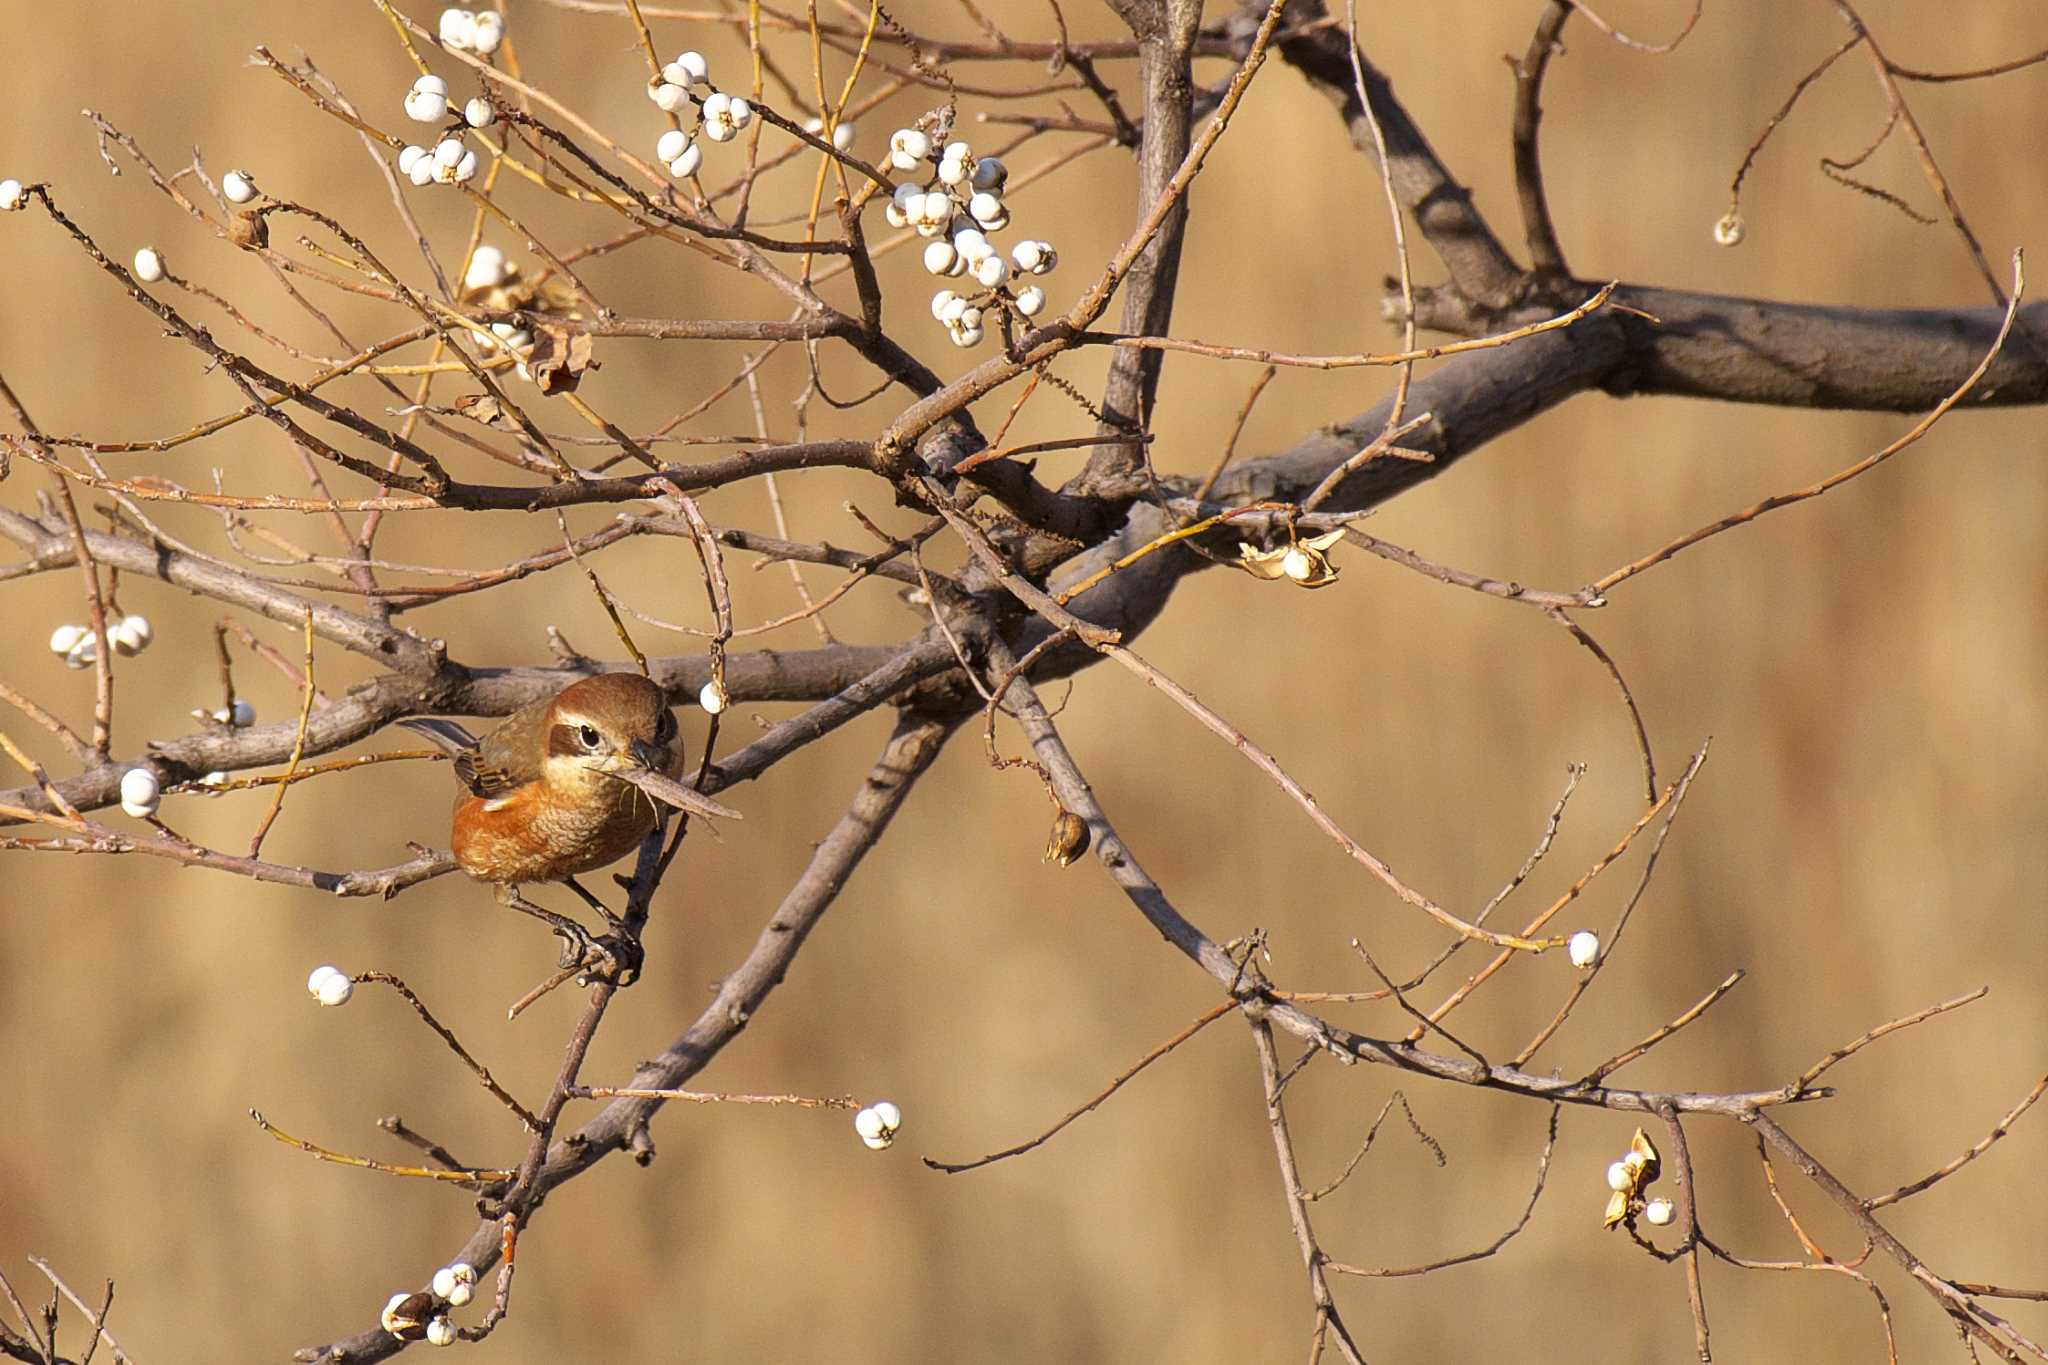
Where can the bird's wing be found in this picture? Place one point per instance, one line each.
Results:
(510, 755)
(489, 767)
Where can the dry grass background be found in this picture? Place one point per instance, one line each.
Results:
(1866, 838)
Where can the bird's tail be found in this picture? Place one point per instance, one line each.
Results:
(446, 735)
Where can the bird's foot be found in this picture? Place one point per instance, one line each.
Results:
(616, 958)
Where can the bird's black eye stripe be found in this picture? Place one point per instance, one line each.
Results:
(588, 734)
(665, 729)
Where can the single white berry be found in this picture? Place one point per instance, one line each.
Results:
(685, 165)
(214, 780)
(1583, 948)
(990, 270)
(478, 113)
(334, 990)
(65, 638)
(904, 193)
(889, 1114)
(465, 169)
(894, 216)
(84, 654)
(939, 257)
(972, 243)
(448, 151)
(457, 27)
(1659, 1211)
(410, 158)
(989, 174)
(320, 974)
(952, 172)
(422, 172)
(431, 84)
(131, 634)
(740, 112)
(1030, 300)
(1297, 565)
(242, 715)
(670, 144)
(908, 147)
(691, 66)
(717, 104)
(868, 1124)
(238, 187)
(956, 150)
(489, 32)
(941, 301)
(424, 106)
(141, 793)
(12, 196)
(669, 96)
(440, 1332)
(486, 269)
(986, 209)
(842, 137)
(1620, 1177)
(967, 336)
(954, 309)
(1728, 231)
(712, 697)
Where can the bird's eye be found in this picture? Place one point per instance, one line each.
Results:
(589, 735)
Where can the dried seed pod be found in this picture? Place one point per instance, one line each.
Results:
(1069, 838)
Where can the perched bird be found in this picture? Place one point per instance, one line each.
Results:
(565, 785)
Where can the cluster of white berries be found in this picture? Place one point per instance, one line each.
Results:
(487, 268)
(422, 1316)
(78, 647)
(478, 31)
(12, 196)
(720, 116)
(449, 161)
(877, 1124)
(958, 209)
(1583, 948)
(330, 985)
(1628, 1177)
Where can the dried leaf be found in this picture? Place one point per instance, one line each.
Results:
(559, 358)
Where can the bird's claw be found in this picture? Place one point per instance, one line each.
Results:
(616, 958)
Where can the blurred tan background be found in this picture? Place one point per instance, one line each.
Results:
(1867, 836)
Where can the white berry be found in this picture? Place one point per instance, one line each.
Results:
(1729, 231)
(973, 244)
(890, 1115)
(669, 96)
(691, 66)
(478, 113)
(64, 639)
(908, 147)
(986, 209)
(238, 187)
(685, 165)
(424, 106)
(131, 634)
(989, 174)
(410, 158)
(1659, 1211)
(712, 697)
(967, 336)
(952, 172)
(84, 654)
(1620, 1178)
(842, 137)
(450, 1278)
(1030, 300)
(1583, 948)
(670, 144)
(486, 269)
(489, 32)
(939, 257)
(990, 270)
(422, 172)
(448, 151)
(334, 990)
(440, 1332)
(12, 196)
(941, 301)
(465, 169)
(140, 792)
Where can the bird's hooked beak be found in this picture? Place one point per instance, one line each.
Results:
(641, 767)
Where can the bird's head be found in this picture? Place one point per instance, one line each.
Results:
(618, 726)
